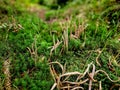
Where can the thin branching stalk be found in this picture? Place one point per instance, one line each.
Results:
(84, 72)
(58, 64)
(107, 75)
(77, 88)
(55, 46)
(53, 87)
(91, 77)
(6, 71)
(65, 40)
(100, 85)
(63, 81)
(115, 85)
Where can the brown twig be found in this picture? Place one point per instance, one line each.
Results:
(91, 77)
(118, 85)
(100, 85)
(107, 76)
(6, 71)
(54, 47)
(63, 81)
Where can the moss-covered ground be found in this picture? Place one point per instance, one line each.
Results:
(32, 36)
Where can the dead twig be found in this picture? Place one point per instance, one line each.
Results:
(76, 88)
(115, 85)
(63, 80)
(107, 76)
(53, 87)
(91, 77)
(6, 71)
(100, 85)
(54, 47)
(59, 65)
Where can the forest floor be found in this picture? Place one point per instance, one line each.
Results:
(74, 47)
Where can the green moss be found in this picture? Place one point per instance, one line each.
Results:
(27, 40)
